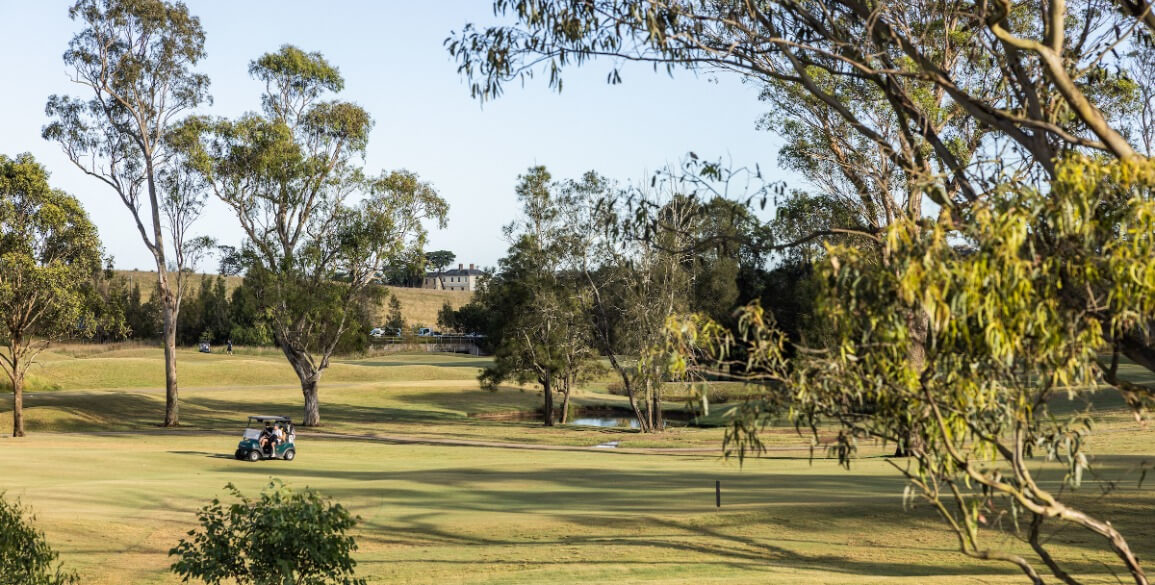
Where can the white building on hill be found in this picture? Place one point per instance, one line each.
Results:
(460, 279)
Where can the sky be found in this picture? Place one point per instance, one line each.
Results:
(391, 55)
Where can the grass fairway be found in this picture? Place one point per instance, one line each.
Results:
(441, 505)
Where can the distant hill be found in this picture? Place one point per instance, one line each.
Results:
(419, 306)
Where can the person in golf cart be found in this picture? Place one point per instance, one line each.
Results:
(277, 437)
(267, 437)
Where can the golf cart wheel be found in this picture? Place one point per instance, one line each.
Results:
(254, 455)
(290, 454)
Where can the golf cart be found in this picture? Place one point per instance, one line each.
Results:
(255, 444)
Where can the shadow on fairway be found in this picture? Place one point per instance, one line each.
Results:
(332, 413)
(203, 454)
(830, 512)
(98, 411)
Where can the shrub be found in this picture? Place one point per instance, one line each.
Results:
(284, 537)
(25, 557)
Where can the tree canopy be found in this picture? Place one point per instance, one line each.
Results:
(49, 256)
(318, 229)
(136, 59)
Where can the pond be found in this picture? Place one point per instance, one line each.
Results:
(595, 418)
(605, 421)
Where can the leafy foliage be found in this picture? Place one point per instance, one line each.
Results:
(25, 557)
(49, 256)
(1022, 295)
(318, 230)
(286, 537)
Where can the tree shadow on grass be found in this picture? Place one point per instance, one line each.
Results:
(95, 411)
(332, 413)
(672, 511)
(205, 454)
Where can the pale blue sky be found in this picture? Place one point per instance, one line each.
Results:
(390, 53)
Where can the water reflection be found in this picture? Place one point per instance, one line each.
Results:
(605, 421)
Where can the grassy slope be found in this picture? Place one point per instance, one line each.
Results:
(114, 505)
(419, 306)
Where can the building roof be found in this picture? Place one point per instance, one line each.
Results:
(456, 272)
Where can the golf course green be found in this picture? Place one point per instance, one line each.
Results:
(449, 492)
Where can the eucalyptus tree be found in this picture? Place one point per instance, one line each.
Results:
(49, 253)
(540, 332)
(1004, 341)
(318, 229)
(135, 59)
(960, 96)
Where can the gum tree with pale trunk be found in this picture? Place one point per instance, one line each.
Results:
(135, 60)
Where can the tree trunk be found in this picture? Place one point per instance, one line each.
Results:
(309, 378)
(634, 402)
(656, 409)
(545, 384)
(312, 407)
(18, 405)
(565, 389)
(919, 325)
(649, 401)
(1138, 349)
(171, 393)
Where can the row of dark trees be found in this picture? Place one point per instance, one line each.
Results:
(214, 315)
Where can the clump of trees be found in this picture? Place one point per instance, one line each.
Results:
(594, 270)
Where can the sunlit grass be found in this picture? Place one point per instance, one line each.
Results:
(438, 506)
(433, 514)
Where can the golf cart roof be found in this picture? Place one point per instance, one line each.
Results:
(267, 418)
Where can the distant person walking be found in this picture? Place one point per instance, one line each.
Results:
(229, 347)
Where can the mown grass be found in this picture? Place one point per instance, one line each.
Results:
(114, 505)
(436, 512)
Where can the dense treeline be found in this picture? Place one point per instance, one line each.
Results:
(594, 272)
(121, 311)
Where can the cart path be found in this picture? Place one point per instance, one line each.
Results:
(415, 440)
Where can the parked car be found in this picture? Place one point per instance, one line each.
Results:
(424, 332)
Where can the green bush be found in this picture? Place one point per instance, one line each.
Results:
(25, 557)
(284, 537)
(258, 334)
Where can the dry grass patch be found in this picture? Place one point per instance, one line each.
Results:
(419, 306)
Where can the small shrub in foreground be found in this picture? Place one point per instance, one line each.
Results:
(284, 537)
